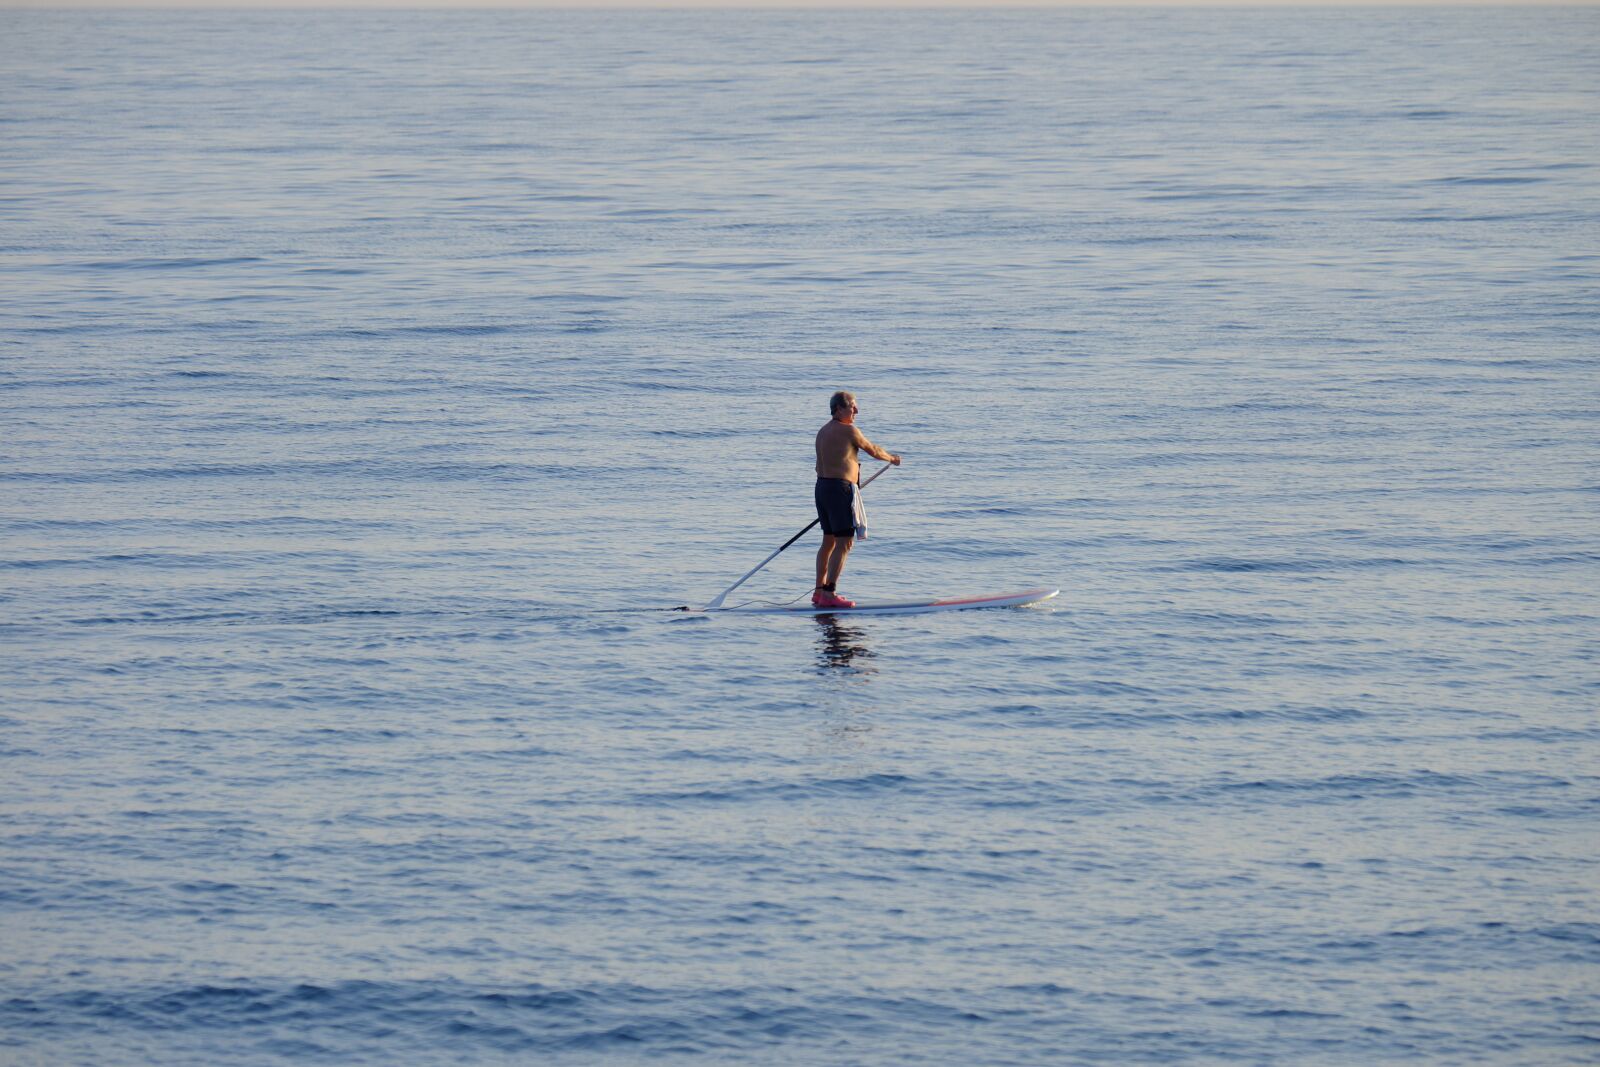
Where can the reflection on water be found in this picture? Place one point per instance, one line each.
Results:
(842, 647)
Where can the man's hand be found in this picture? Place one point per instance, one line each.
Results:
(894, 459)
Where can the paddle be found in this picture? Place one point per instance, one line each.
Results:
(717, 603)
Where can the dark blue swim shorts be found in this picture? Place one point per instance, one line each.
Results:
(836, 507)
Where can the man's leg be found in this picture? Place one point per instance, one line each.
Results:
(841, 549)
(824, 554)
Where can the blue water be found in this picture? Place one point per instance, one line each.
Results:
(371, 382)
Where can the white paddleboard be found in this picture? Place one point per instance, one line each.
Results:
(904, 607)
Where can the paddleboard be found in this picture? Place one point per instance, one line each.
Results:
(903, 607)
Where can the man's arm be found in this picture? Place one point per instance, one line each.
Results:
(873, 450)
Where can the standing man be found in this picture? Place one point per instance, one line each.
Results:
(838, 482)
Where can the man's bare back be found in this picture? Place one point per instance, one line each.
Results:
(837, 445)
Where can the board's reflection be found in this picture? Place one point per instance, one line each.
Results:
(842, 647)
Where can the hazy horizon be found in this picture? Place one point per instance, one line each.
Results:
(578, 5)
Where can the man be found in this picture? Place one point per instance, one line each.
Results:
(838, 481)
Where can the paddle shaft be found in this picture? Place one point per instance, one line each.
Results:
(717, 603)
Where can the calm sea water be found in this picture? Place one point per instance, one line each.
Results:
(372, 383)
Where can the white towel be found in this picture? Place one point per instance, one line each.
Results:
(859, 506)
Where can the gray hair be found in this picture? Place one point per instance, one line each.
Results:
(840, 401)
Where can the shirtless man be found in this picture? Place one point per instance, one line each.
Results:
(838, 475)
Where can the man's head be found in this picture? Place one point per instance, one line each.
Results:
(842, 404)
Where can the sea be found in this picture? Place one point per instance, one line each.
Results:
(375, 387)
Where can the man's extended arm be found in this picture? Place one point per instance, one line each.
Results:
(873, 450)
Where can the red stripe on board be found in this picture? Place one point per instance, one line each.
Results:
(982, 599)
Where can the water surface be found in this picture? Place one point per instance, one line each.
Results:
(373, 382)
